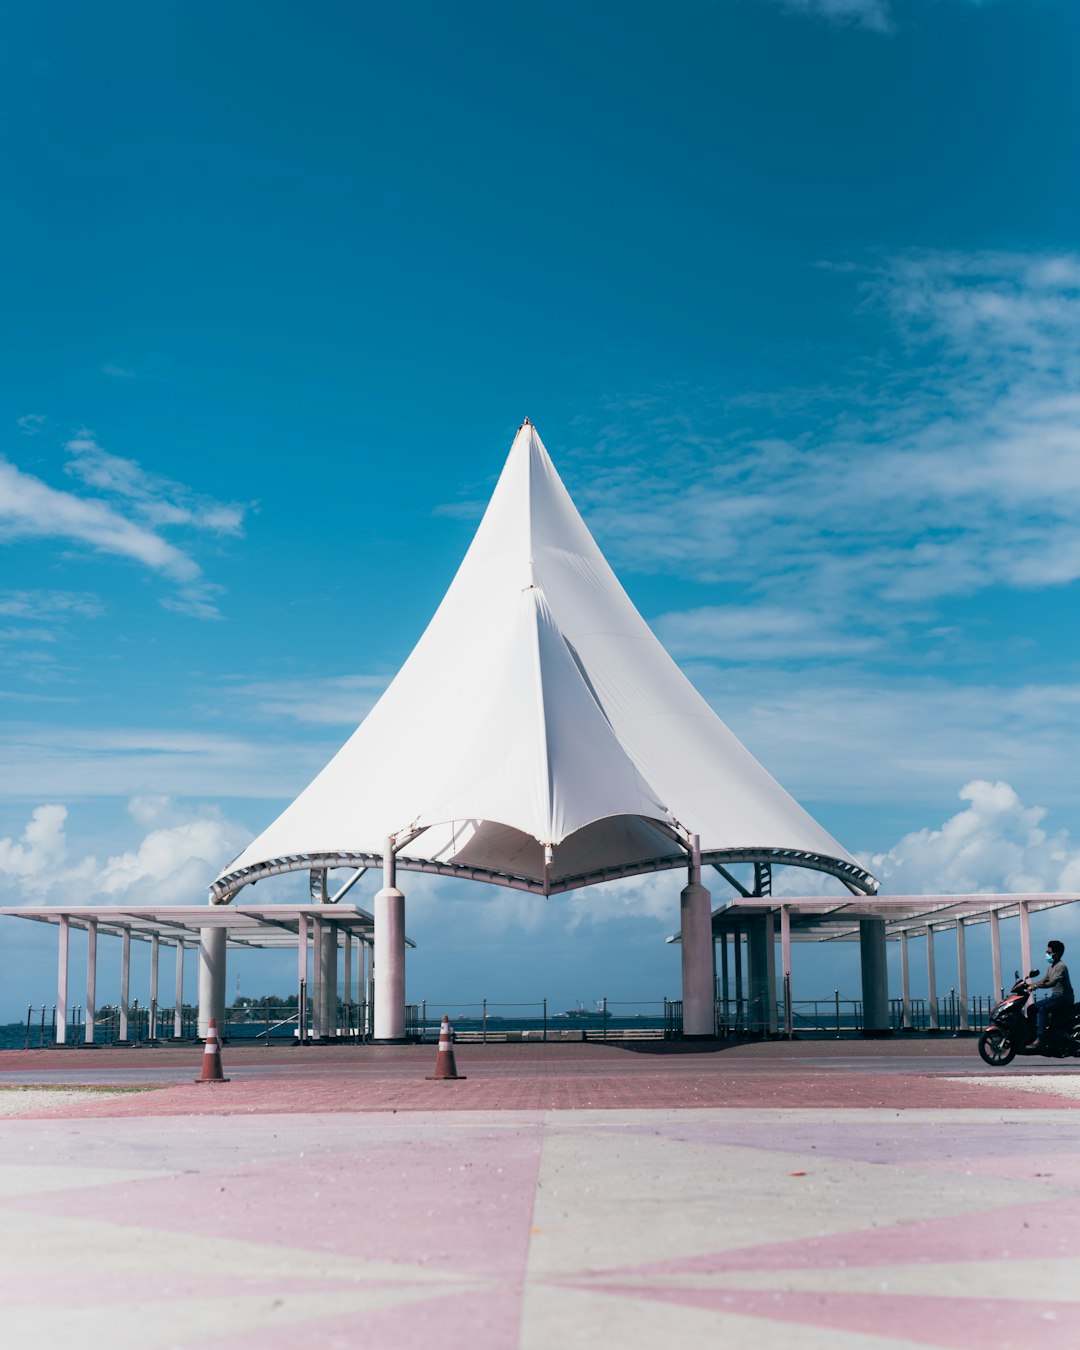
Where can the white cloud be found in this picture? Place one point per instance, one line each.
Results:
(335, 700)
(117, 371)
(879, 16)
(932, 482)
(45, 760)
(844, 736)
(31, 424)
(160, 501)
(995, 844)
(30, 508)
(41, 849)
(738, 633)
(43, 605)
(873, 14)
(130, 526)
(173, 862)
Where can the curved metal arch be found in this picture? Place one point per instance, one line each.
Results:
(853, 876)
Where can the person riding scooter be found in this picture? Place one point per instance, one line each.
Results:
(1057, 981)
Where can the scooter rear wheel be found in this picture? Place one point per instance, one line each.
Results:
(996, 1048)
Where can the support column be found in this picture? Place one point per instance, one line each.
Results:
(328, 981)
(63, 947)
(155, 952)
(389, 961)
(931, 978)
(178, 1000)
(346, 974)
(961, 967)
(316, 978)
(211, 979)
(738, 955)
(725, 991)
(762, 972)
(905, 981)
(785, 966)
(995, 954)
(770, 974)
(698, 957)
(125, 984)
(1025, 937)
(301, 978)
(91, 981)
(389, 954)
(875, 977)
(369, 989)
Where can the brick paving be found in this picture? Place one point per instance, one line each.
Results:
(897, 1075)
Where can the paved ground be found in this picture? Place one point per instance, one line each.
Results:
(844, 1195)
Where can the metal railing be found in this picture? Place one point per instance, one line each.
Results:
(842, 1016)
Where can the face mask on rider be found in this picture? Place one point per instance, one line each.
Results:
(1050, 957)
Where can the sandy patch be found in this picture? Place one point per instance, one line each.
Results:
(1056, 1085)
(15, 1101)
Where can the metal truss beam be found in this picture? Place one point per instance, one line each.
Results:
(852, 876)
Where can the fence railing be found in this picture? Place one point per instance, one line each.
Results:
(271, 1021)
(494, 1020)
(843, 1016)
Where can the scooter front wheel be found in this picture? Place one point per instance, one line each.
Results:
(996, 1048)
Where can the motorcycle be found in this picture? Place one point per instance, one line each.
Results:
(1012, 1029)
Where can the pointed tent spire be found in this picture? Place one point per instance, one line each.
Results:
(537, 709)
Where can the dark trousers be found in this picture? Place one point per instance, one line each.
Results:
(1044, 1009)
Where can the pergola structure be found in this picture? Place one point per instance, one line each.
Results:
(325, 930)
(539, 737)
(763, 922)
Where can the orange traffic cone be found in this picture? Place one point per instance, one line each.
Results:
(445, 1068)
(211, 1060)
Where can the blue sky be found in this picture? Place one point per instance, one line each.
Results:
(792, 292)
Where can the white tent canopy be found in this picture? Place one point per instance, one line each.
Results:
(539, 736)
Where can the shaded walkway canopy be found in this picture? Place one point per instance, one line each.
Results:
(539, 736)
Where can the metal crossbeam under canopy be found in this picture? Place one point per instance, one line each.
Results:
(829, 919)
(256, 926)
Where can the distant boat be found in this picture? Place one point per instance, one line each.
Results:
(581, 1011)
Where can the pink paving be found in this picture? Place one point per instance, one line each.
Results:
(807, 1196)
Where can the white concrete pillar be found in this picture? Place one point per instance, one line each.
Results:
(961, 980)
(346, 974)
(905, 981)
(995, 954)
(301, 976)
(63, 948)
(125, 983)
(1025, 938)
(785, 967)
(155, 952)
(725, 980)
(178, 996)
(931, 978)
(389, 969)
(875, 975)
(91, 981)
(212, 979)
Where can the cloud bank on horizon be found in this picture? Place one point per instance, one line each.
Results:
(995, 844)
